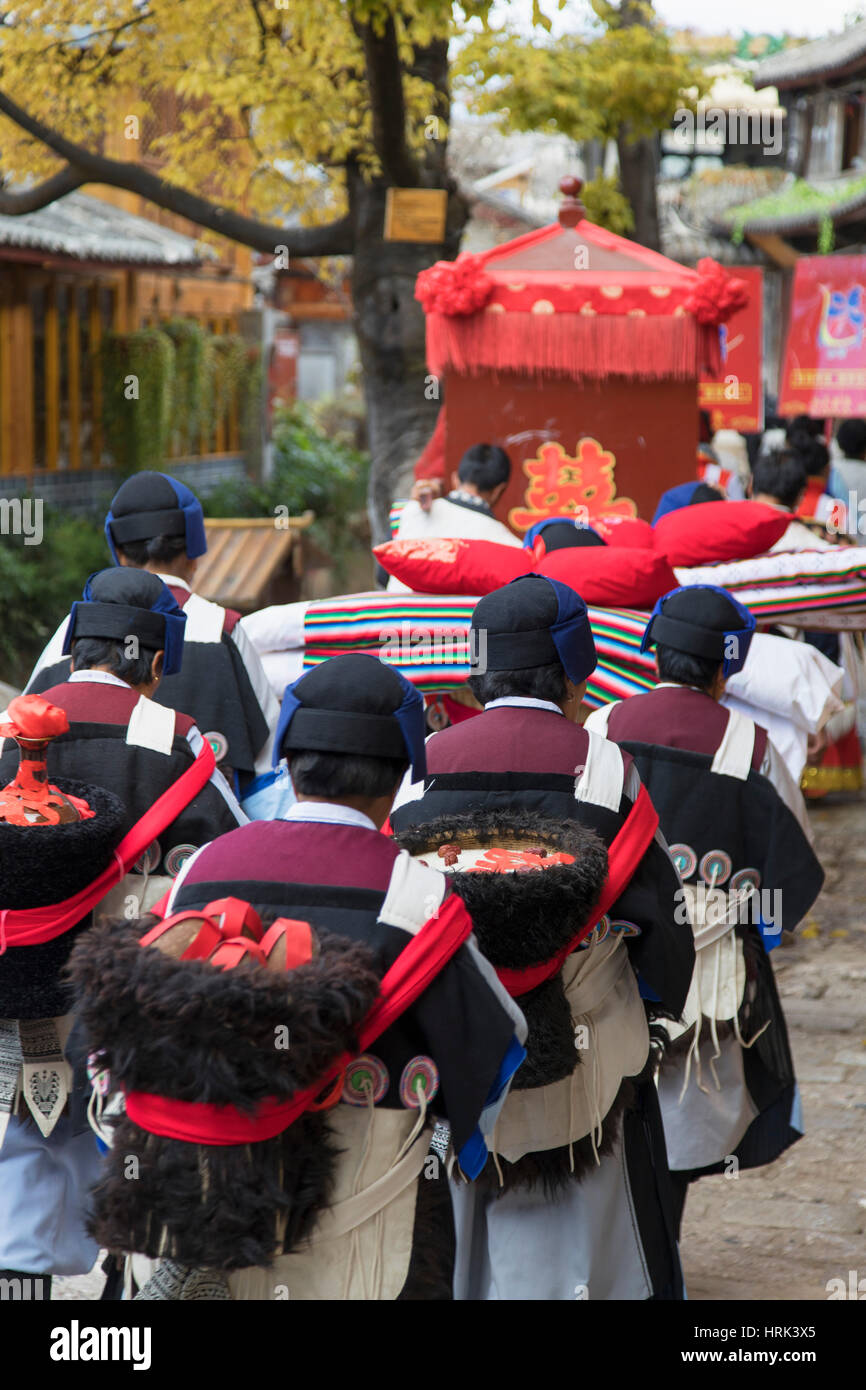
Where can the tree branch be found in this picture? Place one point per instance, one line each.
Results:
(388, 103)
(334, 239)
(32, 199)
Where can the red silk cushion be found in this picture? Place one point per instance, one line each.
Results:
(712, 532)
(442, 565)
(628, 531)
(612, 577)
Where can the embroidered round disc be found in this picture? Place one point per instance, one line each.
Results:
(685, 859)
(421, 1074)
(715, 867)
(219, 743)
(176, 858)
(365, 1076)
(149, 861)
(745, 879)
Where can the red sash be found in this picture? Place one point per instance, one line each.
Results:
(623, 857)
(415, 968)
(32, 926)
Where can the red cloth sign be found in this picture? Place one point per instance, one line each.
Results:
(735, 397)
(824, 369)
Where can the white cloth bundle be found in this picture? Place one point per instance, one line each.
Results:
(791, 689)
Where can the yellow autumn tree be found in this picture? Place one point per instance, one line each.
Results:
(291, 121)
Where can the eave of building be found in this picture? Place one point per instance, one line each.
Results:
(836, 56)
(79, 230)
(796, 224)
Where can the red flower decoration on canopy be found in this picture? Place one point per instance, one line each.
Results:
(717, 296)
(454, 287)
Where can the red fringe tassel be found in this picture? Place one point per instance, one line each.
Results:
(651, 348)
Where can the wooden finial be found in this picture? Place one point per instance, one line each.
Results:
(571, 210)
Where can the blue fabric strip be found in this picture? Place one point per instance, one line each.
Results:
(473, 1156)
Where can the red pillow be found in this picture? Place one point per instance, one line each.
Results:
(613, 576)
(449, 565)
(712, 532)
(628, 531)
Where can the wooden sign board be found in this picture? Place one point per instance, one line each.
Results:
(416, 214)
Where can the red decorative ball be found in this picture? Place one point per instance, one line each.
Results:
(454, 288)
(717, 296)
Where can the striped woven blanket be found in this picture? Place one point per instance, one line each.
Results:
(426, 636)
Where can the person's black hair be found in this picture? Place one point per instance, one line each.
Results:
(686, 669)
(531, 682)
(344, 774)
(162, 550)
(485, 466)
(781, 475)
(705, 493)
(88, 652)
(804, 424)
(705, 427)
(564, 535)
(812, 450)
(851, 438)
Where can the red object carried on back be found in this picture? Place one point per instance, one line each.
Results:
(623, 857)
(415, 968)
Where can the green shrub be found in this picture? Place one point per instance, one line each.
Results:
(138, 376)
(311, 472)
(192, 392)
(39, 583)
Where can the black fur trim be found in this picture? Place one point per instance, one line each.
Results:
(188, 1031)
(550, 1051)
(520, 919)
(551, 1169)
(45, 864)
(431, 1268)
(213, 1207)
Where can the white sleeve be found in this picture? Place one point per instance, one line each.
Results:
(262, 690)
(409, 790)
(52, 652)
(596, 723)
(775, 770)
(217, 780)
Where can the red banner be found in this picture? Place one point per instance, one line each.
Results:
(735, 399)
(824, 371)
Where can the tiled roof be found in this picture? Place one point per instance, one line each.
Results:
(86, 228)
(801, 66)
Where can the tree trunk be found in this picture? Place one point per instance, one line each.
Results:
(638, 171)
(402, 402)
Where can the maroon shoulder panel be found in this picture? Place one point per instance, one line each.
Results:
(676, 717)
(341, 855)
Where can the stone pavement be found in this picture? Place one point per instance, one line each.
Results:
(782, 1232)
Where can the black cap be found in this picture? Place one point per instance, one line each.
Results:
(353, 704)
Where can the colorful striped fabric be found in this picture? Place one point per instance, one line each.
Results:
(395, 514)
(777, 600)
(426, 636)
(786, 567)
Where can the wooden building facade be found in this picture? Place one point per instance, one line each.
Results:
(69, 274)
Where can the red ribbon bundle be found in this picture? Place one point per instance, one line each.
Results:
(231, 930)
